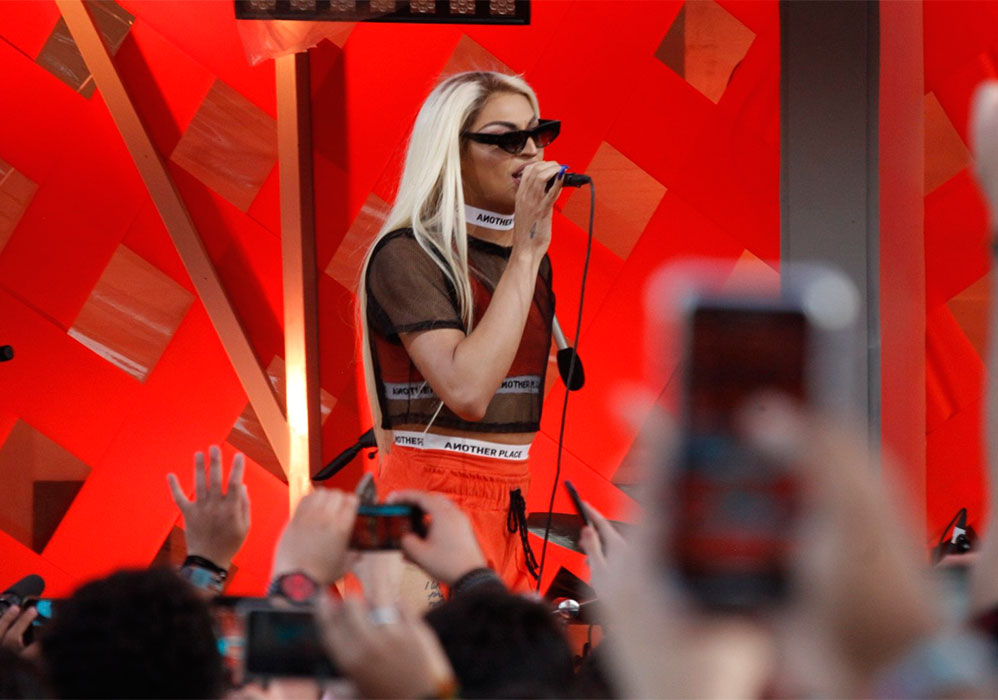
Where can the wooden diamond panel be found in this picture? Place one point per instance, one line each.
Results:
(469, 55)
(131, 314)
(625, 200)
(344, 267)
(230, 146)
(247, 433)
(970, 310)
(62, 59)
(16, 191)
(704, 45)
(945, 153)
(38, 481)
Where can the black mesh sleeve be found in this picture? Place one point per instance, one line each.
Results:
(545, 273)
(406, 290)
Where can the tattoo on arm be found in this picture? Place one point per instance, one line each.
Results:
(434, 595)
(533, 230)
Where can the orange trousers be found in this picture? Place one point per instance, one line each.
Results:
(481, 486)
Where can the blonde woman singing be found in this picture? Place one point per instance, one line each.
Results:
(456, 307)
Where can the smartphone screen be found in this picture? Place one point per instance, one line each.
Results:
(230, 632)
(380, 527)
(285, 643)
(45, 607)
(732, 534)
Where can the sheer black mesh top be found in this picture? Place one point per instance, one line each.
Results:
(407, 292)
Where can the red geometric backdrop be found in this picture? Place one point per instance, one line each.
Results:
(961, 50)
(119, 375)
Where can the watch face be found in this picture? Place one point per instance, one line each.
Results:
(298, 587)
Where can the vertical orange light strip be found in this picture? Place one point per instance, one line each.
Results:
(180, 226)
(301, 341)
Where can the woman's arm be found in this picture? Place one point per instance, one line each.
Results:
(465, 371)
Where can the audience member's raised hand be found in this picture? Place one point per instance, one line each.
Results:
(706, 657)
(659, 646)
(449, 549)
(984, 139)
(658, 643)
(387, 652)
(215, 522)
(315, 540)
(603, 545)
(13, 624)
(862, 583)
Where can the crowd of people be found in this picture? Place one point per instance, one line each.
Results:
(864, 615)
(863, 620)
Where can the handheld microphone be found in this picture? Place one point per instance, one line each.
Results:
(569, 180)
(565, 353)
(31, 586)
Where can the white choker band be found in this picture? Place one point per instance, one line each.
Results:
(488, 219)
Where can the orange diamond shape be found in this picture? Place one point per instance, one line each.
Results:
(704, 45)
(626, 198)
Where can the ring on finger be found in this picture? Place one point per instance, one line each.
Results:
(383, 616)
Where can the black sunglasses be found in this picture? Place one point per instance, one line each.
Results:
(514, 142)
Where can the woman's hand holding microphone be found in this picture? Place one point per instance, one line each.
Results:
(534, 207)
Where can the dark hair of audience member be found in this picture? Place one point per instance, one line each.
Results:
(133, 634)
(592, 678)
(503, 645)
(20, 678)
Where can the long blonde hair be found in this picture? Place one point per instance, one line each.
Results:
(430, 197)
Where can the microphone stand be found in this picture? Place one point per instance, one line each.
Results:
(569, 362)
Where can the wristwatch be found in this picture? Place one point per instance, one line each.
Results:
(296, 587)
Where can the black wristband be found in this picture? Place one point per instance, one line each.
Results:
(195, 560)
(474, 578)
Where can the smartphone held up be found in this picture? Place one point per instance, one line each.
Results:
(730, 535)
(381, 526)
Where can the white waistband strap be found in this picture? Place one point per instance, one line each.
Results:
(460, 445)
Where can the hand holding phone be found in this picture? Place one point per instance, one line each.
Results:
(450, 548)
(17, 625)
(403, 659)
(315, 540)
(733, 518)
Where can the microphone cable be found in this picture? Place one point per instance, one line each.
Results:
(568, 383)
